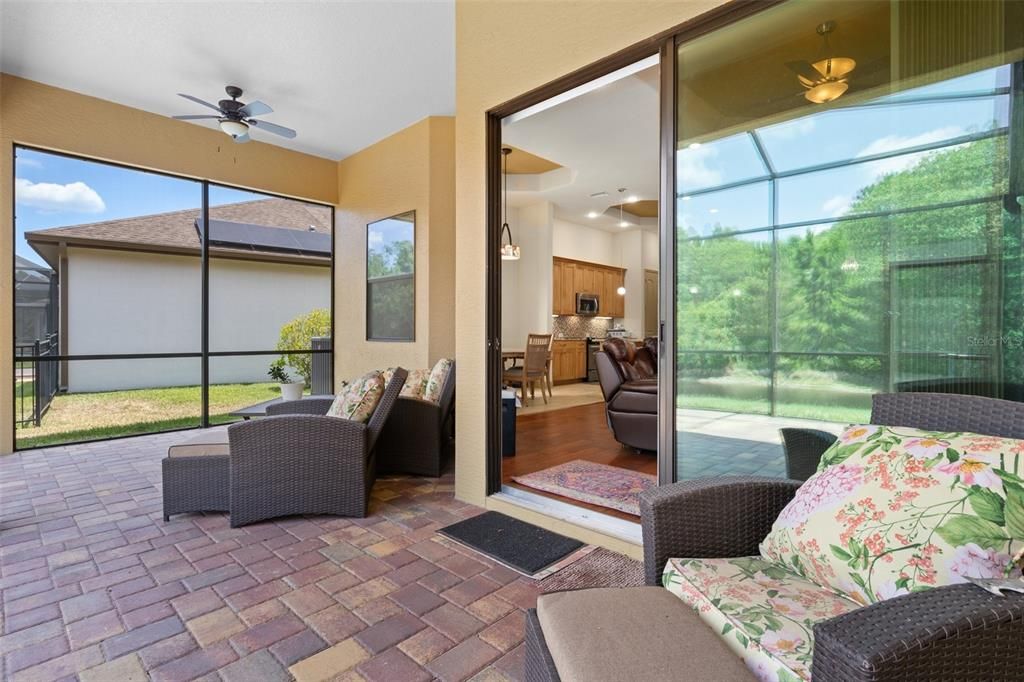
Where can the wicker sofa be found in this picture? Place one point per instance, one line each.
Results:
(297, 460)
(954, 632)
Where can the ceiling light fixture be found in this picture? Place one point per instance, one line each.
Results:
(825, 79)
(621, 291)
(693, 145)
(508, 251)
(592, 214)
(632, 199)
(235, 129)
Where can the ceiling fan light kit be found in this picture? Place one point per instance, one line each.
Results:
(237, 118)
(826, 79)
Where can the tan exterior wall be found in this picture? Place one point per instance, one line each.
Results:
(35, 114)
(410, 170)
(503, 49)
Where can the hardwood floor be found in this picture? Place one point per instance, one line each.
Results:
(547, 439)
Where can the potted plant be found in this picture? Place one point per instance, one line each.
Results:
(290, 390)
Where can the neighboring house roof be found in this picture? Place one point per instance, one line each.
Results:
(177, 231)
(30, 271)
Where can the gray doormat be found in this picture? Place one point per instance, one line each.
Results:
(523, 546)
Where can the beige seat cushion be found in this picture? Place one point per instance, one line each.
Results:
(204, 443)
(633, 633)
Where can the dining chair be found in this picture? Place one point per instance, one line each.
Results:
(535, 367)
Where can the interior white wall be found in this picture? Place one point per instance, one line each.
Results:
(126, 302)
(629, 246)
(581, 242)
(526, 284)
(651, 251)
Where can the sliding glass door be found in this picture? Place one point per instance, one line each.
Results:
(848, 194)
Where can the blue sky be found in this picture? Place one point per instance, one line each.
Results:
(53, 190)
(837, 134)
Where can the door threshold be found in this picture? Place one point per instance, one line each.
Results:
(621, 529)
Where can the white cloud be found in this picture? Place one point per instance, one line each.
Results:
(836, 206)
(29, 163)
(75, 197)
(891, 143)
(693, 169)
(375, 240)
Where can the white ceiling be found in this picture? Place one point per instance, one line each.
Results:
(606, 138)
(343, 74)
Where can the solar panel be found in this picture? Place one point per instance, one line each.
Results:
(265, 238)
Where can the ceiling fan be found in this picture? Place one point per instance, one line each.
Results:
(236, 118)
(826, 79)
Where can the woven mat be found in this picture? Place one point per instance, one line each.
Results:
(600, 568)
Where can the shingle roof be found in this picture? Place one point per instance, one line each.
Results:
(176, 230)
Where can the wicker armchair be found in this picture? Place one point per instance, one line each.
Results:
(956, 632)
(419, 436)
(299, 461)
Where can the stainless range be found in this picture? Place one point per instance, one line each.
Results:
(593, 346)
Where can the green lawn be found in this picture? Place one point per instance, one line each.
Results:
(91, 416)
(821, 412)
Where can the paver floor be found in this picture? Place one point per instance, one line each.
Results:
(95, 586)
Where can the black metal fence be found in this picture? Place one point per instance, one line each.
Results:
(36, 379)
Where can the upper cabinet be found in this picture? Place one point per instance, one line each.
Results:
(571, 277)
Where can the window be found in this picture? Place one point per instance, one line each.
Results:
(391, 278)
(125, 324)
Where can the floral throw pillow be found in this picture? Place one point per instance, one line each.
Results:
(435, 383)
(894, 510)
(415, 382)
(358, 399)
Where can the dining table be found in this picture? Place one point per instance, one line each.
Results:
(512, 355)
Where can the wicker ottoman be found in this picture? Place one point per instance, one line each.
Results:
(196, 474)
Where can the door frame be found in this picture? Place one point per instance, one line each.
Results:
(662, 44)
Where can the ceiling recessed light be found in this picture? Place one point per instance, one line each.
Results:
(694, 145)
(592, 215)
(632, 199)
(712, 210)
(737, 292)
(694, 290)
(686, 198)
(623, 224)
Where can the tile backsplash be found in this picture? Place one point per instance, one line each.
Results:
(576, 327)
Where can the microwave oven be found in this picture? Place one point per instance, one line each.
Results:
(587, 304)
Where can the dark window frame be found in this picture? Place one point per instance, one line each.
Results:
(204, 354)
(390, 278)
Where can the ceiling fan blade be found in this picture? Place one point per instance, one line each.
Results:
(804, 69)
(199, 101)
(256, 108)
(194, 117)
(273, 128)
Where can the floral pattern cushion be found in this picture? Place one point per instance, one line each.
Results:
(357, 400)
(765, 613)
(415, 382)
(435, 383)
(894, 510)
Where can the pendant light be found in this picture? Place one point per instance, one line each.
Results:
(826, 79)
(509, 251)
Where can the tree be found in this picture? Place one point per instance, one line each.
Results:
(298, 335)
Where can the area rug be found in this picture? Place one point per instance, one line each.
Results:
(600, 568)
(600, 484)
(520, 545)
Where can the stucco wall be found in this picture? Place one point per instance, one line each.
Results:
(125, 302)
(36, 114)
(503, 49)
(412, 170)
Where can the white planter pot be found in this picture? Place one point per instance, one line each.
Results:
(292, 391)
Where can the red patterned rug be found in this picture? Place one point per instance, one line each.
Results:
(592, 483)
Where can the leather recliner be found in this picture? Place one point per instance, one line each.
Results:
(630, 387)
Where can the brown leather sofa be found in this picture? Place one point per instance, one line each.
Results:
(629, 383)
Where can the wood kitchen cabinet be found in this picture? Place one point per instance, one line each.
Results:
(571, 277)
(568, 360)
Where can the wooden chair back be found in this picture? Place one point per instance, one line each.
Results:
(538, 353)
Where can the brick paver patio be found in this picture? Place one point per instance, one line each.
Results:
(96, 587)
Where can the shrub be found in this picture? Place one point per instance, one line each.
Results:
(296, 335)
